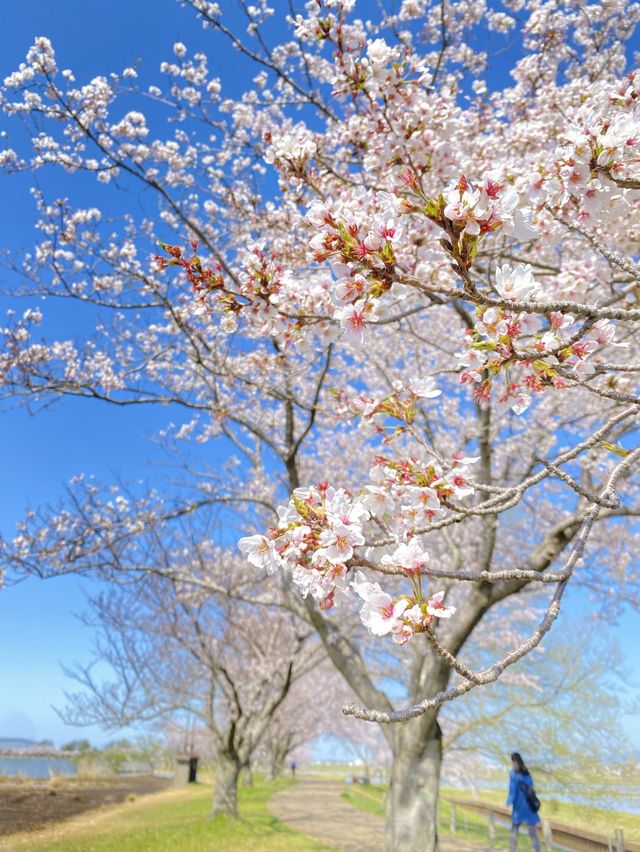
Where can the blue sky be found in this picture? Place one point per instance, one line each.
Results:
(38, 454)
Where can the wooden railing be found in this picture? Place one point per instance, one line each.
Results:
(556, 835)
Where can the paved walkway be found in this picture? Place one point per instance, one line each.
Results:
(316, 808)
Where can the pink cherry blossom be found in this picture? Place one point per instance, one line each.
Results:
(380, 613)
(410, 557)
(437, 607)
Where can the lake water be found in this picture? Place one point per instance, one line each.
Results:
(36, 767)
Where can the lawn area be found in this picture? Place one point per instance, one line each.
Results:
(172, 821)
(582, 816)
(333, 771)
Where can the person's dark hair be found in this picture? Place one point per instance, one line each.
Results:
(521, 768)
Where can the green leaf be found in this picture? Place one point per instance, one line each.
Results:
(616, 448)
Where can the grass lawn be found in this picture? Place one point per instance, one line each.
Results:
(582, 816)
(333, 771)
(172, 821)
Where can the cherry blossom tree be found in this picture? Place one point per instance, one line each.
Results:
(163, 653)
(307, 712)
(417, 349)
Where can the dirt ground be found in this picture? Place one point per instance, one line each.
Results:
(30, 803)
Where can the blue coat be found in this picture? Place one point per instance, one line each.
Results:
(521, 812)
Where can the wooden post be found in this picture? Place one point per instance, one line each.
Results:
(619, 840)
(609, 844)
(452, 825)
(547, 834)
(492, 825)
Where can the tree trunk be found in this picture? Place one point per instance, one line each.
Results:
(247, 777)
(269, 770)
(273, 767)
(412, 803)
(225, 791)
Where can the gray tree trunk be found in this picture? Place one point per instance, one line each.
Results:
(412, 803)
(270, 770)
(225, 791)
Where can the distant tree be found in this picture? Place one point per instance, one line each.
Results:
(120, 744)
(152, 750)
(169, 649)
(77, 745)
(307, 713)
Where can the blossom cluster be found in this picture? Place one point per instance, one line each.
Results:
(472, 210)
(322, 534)
(260, 290)
(399, 406)
(402, 617)
(292, 149)
(599, 158)
(363, 249)
(362, 256)
(530, 356)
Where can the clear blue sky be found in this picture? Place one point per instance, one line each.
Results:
(38, 630)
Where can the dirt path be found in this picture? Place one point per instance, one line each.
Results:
(316, 808)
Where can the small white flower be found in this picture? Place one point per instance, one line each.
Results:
(338, 543)
(353, 319)
(424, 388)
(514, 283)
(411, 557)
(261, 552)
(379, 614)
(379, 52)
(437, 608)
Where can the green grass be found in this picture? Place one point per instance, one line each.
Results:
(470, 826)
(333, 771)
(588, 817)
(366, 797)
(473, 827)
(175, 821)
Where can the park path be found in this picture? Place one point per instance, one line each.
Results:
(316, 808)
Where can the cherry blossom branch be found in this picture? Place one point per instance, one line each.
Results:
(266, 63)
(610, 255)
(466, 576)
(609, 503)
(493, 672)
(507, 498)
(563, 306)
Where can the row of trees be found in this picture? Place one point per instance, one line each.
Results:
(423, 339)
(210, 672)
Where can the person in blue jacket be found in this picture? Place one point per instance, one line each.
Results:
(521, 812)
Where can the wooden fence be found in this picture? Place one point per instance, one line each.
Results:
(556, 835)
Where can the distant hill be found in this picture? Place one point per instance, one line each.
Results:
(21, 744)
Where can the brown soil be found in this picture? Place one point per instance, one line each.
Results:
(26, 804)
